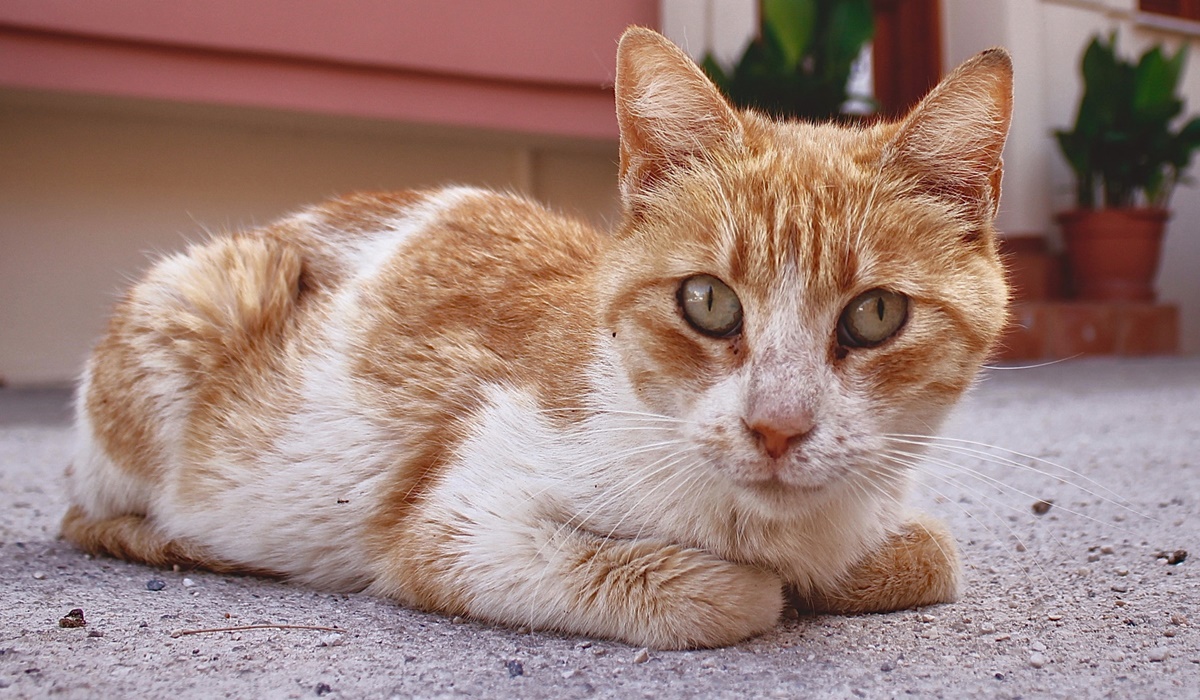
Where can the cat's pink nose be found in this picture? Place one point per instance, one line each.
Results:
(777, 433)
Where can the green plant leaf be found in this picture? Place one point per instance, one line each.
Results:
(791, 22)
(1189, 135)
(1074, 148)
(1156, 79)
(1108, 87)
(1099, 64)
(851, 24)
(1122, 139)
(772, 77)
(1184, 144)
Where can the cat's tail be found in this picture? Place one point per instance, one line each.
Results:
(220, 301)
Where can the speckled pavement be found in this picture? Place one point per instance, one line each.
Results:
(1072, 603)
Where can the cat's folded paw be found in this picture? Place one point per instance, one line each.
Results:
(696, 600)
(917, 565)
(666, 596)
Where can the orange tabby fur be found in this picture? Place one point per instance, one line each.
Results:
(473, 405)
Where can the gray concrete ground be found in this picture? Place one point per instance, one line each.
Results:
(1075, 602)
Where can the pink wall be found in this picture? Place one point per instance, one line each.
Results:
(540, 66)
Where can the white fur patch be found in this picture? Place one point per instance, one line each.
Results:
(310, 499)
(366, 257)
(103, 490)
(520, 484)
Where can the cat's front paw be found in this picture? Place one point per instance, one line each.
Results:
(917, 565)
(660, 595)
(676, 598)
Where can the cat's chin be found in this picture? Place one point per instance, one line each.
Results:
(775, 499)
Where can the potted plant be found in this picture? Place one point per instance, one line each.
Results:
(799, 65)
(1127, 159)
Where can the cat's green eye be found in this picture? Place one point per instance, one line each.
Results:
(871, 318)
(710, 306)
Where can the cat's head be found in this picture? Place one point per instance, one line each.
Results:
(798, 292)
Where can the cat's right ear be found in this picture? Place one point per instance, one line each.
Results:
(668, 111)
(952, 141)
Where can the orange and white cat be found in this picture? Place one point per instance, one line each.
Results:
(470, 404)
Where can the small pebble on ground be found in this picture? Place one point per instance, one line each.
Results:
(73, 619)
(1177, 556)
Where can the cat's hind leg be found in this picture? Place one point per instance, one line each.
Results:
(130, 537)
(917, 565)
(201, 323)
(136, 538)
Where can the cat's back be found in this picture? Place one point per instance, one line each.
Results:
(341, 346)
(357, 278)
(355, 237)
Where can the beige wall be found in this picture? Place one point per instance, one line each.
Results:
(1047, 38)
(90, 188)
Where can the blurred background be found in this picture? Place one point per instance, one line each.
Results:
(131, 127)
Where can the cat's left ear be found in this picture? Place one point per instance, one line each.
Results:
(668, 111)
(950, 143)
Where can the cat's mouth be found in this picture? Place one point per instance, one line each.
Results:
(797, 476)
(774, 486)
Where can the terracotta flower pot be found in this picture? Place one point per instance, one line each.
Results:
(1113, 253)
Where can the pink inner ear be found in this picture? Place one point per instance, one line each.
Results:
(668, 111)
(952, 141)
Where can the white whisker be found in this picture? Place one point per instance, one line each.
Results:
(1040, 364)
(959, 446)
(1004, 486)
(945, 479)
